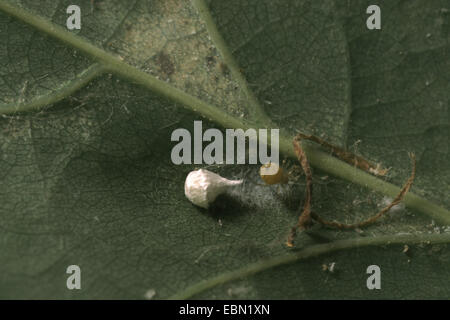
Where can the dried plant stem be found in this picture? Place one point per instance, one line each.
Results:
(347, 156)
(375, 217)
(305, 218)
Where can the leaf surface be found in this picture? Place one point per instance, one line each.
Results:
(87, 179)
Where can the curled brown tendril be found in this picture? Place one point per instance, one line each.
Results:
(306, 216)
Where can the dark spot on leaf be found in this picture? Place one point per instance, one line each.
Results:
(224, 69)
(210, 61)
(165, 65)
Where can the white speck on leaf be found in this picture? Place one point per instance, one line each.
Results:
(405, 248)
(150, 294)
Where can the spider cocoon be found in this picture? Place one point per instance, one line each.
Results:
(267, 174)
(202, 187)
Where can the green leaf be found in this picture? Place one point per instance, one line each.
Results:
(85, 169)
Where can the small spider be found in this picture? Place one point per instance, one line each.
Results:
(281, 175)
